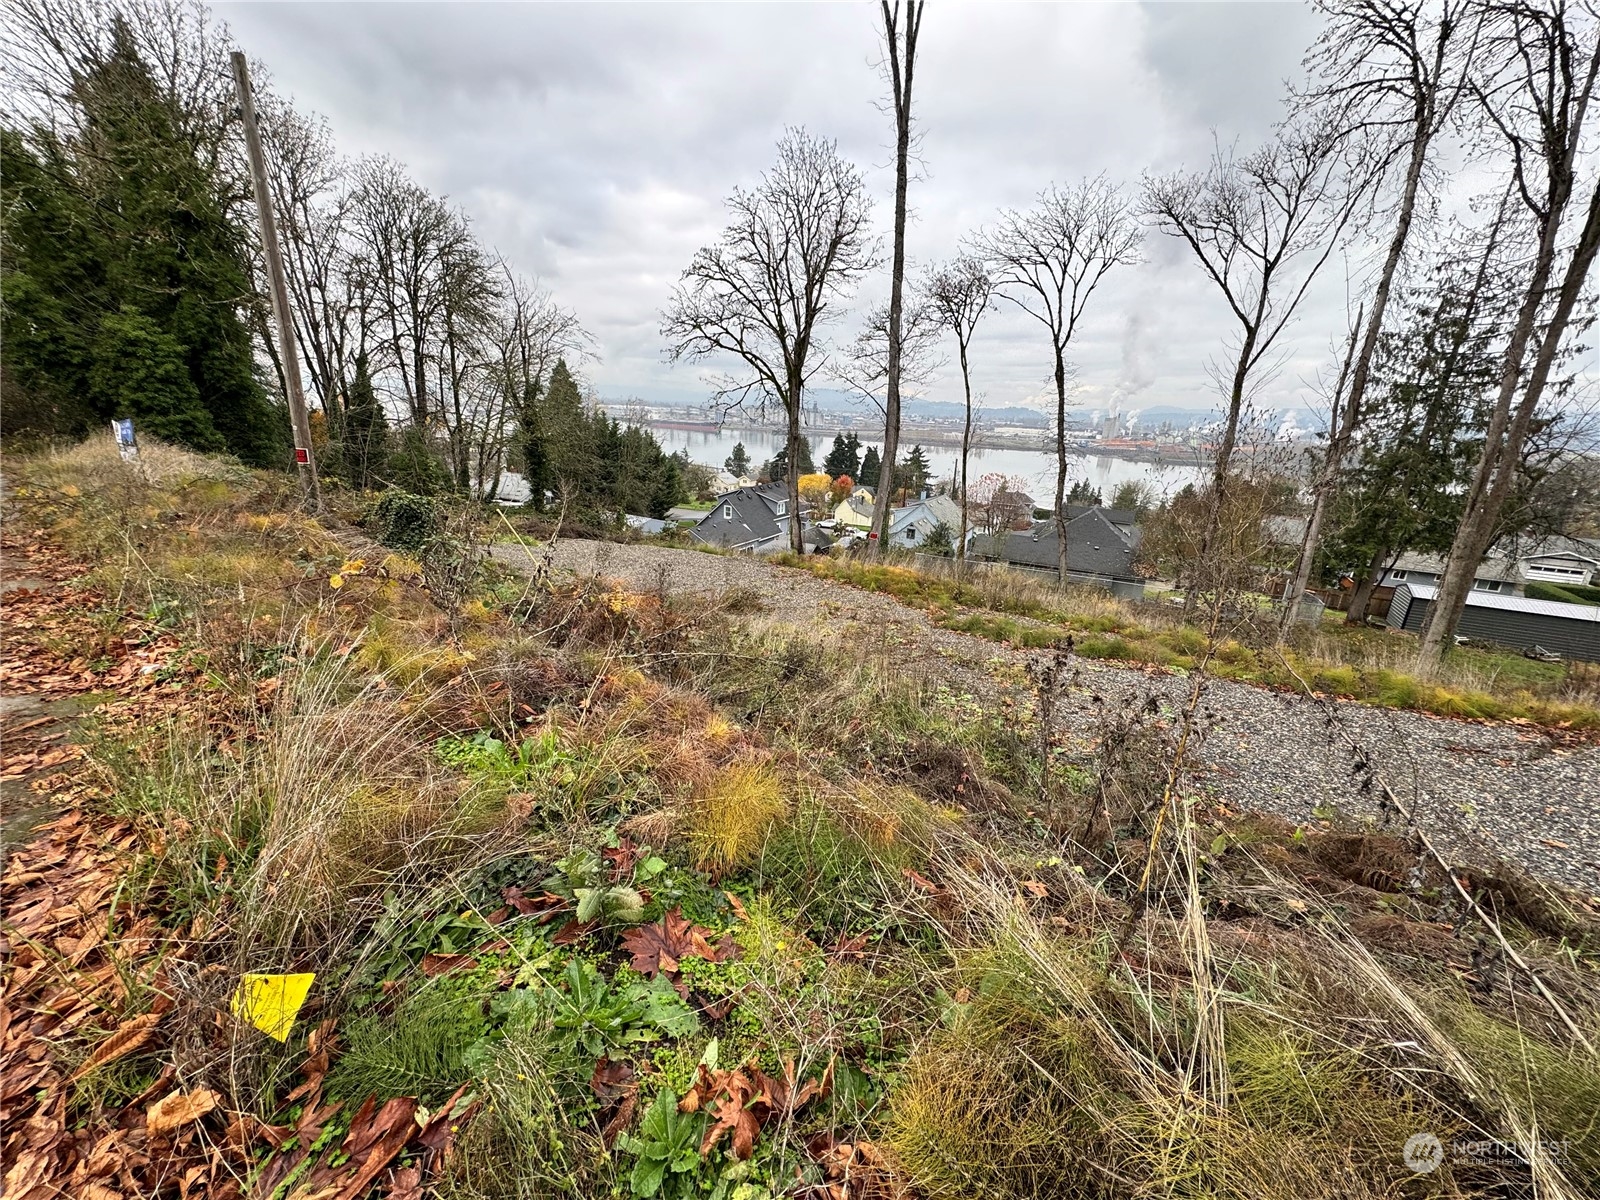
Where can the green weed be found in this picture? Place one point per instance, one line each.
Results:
(421, 1050)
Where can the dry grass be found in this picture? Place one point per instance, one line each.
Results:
(1369, 666)
(1019, 1019)
(732, 814)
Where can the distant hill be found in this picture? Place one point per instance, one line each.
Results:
(1010, 415)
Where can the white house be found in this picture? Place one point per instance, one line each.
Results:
(1509, 568)
(910, 526)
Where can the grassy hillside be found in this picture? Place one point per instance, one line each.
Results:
(1370, 666)
(623, 895)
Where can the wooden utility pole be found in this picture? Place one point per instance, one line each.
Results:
(304, 458)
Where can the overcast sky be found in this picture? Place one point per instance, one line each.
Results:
(593, 145)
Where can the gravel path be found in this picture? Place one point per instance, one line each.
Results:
(1484, 791)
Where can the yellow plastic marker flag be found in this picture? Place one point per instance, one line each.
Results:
(271, 1002)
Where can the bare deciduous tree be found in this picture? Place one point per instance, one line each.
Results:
(529, 334)
(798, 244)
(902, 47)
(864, 367)
(313, 205)
(1536, 80)
(409, 238)
(960, 292)
(51, 45)
(1048, 261)
(1261, 227)
(1390, 72)
(1000, 501)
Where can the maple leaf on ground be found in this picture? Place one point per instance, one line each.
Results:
(617, 1085)
(852, 1170)
(718, 1010)
(434, 965)
(439, 1128)
(743, 1100)
(726, 1094)
(782, 1097)
(572, 931)
(850, 947)
(611, 1079)
(406, 1185)
(658, 948)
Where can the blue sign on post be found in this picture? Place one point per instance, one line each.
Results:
(122, 430)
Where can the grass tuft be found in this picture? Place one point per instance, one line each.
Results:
(732, 815)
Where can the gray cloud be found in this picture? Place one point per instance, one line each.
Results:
(594, 144)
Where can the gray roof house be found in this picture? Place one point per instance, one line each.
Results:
(910, 526)
(752, 519)
(1099, 552)
(1125, 519)
(1509, 567)
(1493, 574)
(1515, 621)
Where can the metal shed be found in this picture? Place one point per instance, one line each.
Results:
(1572, 630)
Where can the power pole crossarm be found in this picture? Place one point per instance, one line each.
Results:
(278, 286)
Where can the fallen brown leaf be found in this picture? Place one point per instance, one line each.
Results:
(179, 1109)
(129, 1036)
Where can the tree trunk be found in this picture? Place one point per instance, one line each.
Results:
(1219, 470)
(792, 476)
(1361, 598)
(1321, 493)
(1347, 417)
(1230, 428)
(1061, 467)
(901, 72)
(966, 446)
(419, 401)
(1502, 448)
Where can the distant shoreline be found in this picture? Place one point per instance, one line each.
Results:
(911, 434)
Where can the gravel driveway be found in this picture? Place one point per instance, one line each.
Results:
(1483, 791)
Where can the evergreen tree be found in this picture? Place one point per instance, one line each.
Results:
(529, 449)
(413, 467)
(913, 475)
(1083, 492)
(871, 468)
(671, 488)
(844, 458)
(574, 441)
(737, 464)
(1135, 496)
(941, 540)
(123, 273)
(777, 468)
(1423, 435)
(366, 430)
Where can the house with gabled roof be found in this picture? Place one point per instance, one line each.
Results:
(855, 511)
(1100, 552)
(755, 520)
(910, 525)
(1509, 566)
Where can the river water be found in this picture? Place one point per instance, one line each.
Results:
(1037, 467)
